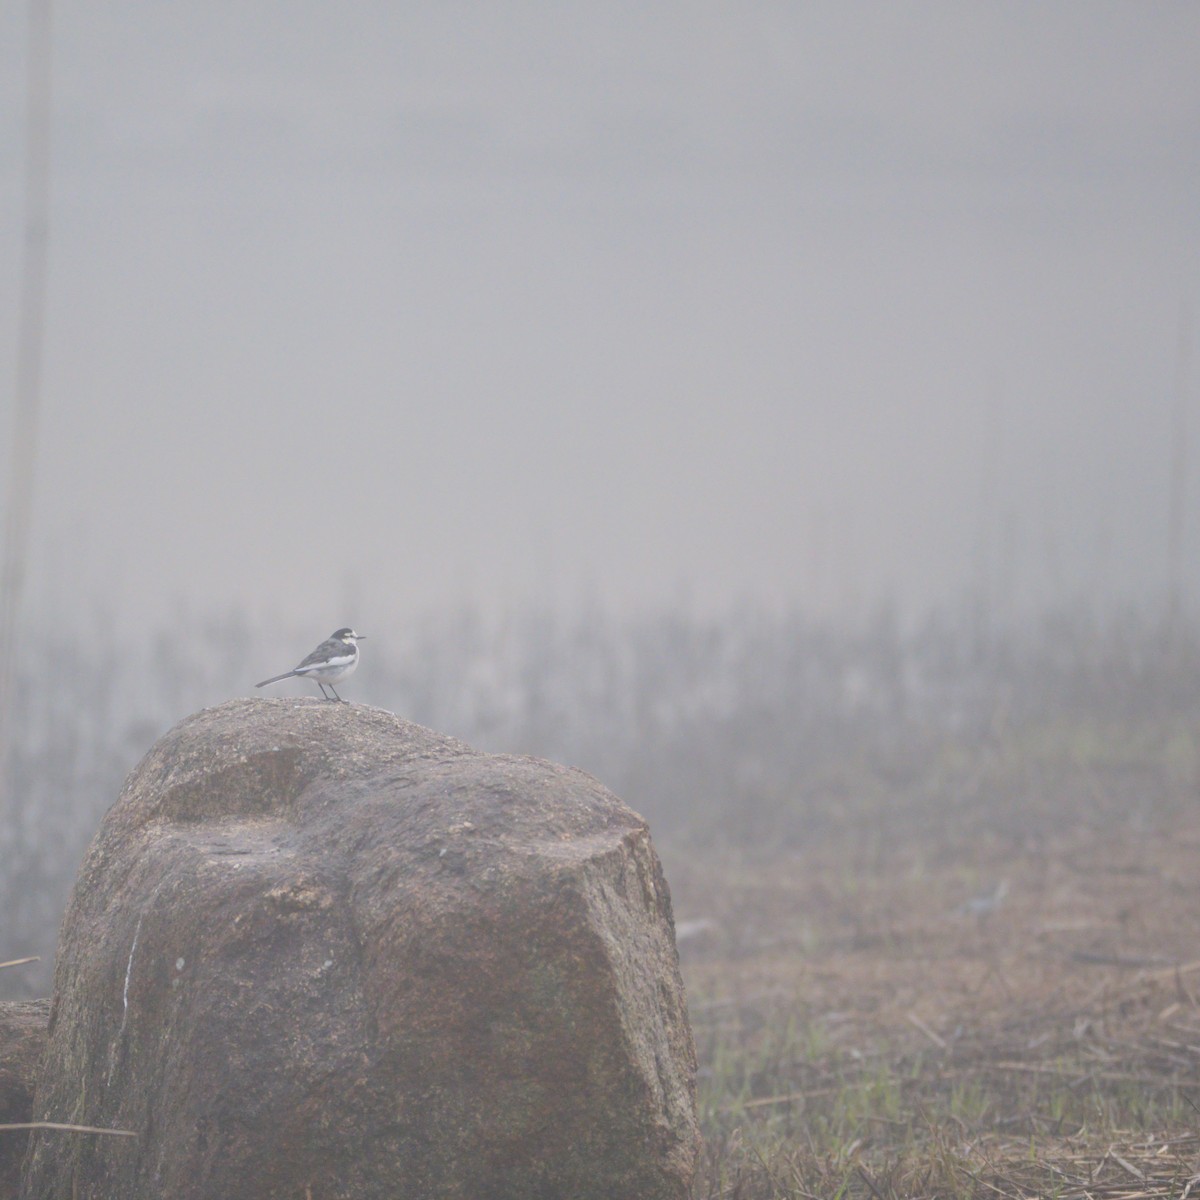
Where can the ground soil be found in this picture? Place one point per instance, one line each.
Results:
(955, 999)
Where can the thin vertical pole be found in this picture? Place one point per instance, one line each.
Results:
(30, 338)
(1179, 469)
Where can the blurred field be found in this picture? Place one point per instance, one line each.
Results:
(989, 988)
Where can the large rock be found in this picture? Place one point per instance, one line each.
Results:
(316, 951)
(22, 1044)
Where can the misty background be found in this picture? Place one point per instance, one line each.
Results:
(707, 394)
(356, 312)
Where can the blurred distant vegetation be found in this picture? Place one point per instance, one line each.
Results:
(751, 731)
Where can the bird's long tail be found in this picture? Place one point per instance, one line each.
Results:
(276, 678)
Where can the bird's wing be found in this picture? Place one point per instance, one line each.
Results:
(323, 665)
(329, 649)
(332, 653)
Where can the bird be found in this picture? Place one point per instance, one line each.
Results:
(333, 659)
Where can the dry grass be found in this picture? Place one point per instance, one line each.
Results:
(989, 988)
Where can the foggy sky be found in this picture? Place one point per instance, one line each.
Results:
(361, 310)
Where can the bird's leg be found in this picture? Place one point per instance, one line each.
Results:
(334, 691)
(324, 694)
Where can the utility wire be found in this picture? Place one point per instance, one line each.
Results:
(27, 393)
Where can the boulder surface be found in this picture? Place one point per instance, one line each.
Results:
(22, 1043)
(317, 952)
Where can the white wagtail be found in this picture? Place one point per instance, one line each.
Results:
(333, 659)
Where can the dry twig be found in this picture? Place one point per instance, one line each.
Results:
(26, 1125)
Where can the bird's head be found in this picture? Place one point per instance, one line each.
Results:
(348, 635)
